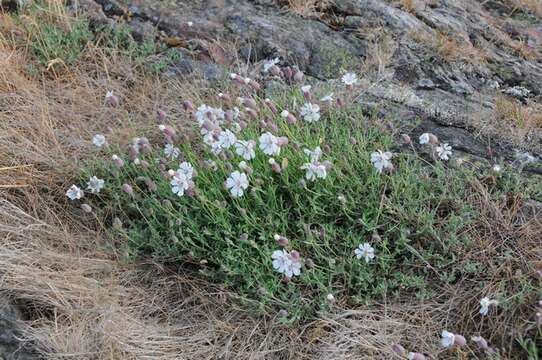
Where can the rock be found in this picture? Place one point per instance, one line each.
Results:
(13, 5)
(12, 345)
(442, 63)
(426, 84)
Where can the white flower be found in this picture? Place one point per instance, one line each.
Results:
(381, 160)
(424, 138)
(447, 339)
(314, 170)
(245, 149)
(216, 147)
(497, 168)
(314, 154)
(269, 144)
(285, 264)
(237, 183)
(306, 88)
(284, 114)
(186, 169)
(349, 79)
(95, 185)
(327, 98)
(365, 251)
(179, 183)
(444, 151)
(171, 151)
(269, 64)
(74, 193)
(226, 139)
(484, 305)
(310, 112)
(98, 140)
(109, 94)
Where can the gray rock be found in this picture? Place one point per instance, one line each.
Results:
(426, 84)
(12, 345)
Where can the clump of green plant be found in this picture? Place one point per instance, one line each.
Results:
(291, 212)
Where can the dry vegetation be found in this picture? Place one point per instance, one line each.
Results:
(83, 301)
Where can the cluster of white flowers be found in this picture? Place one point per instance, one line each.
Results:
(314, 168)
(310, 112)
(182, 179)
(444, 151)
(286, 263)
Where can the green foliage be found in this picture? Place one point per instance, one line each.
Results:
(413, 217)
(50, 42)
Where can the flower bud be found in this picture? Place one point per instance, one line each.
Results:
(433, 140)
(481, 342)
(406, 139)
(151, 185)
(275, 70)
(242, 124)
(170, 173)
(253, 114)
(291, 119)
(117, 161)
(298, 76)
(255, 85)
(330, 298)
(86, 208)
(339, 102)
(262, 124)
(127, 189)
(281, 240)
(272, 126)
(459, 340)
(282, 141)
(282, 313)
(145, 148)
(188, 106)
(250, 102)
(398, 349)
(306, 90)
(271, 106)
(295, 255)
(416, 356)
(224, 97)
(309, 264)
(133, 151)
(161, 115)
(285, 279)
(117, 224)
(287, 72)
(111, 99)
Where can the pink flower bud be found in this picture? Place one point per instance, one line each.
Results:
(398, 349)
(271, 106)
(228, 115)
(161, 114)
(86, 208)
(255, 85)
(306, 92)
(133, 151)
(262, 124)
(145, 164)
(339, 102)
(272, 126)
(209, 125)
(250, 102)
(117, 161)
(416, 356)
(253, 114)
(433, 140)
(275, 70)
(288, 73)
(481, 342)
(285, 279)
(117, 223)
(295, 256)
(225, 97)
(127, 189)
(281, 240)
(309, 264)
(242, 124)
(151, 185)
(298, 76)
(276, 167)
(239, 80)
(406, 139)
(459, 340)
(145, 148)
(111, 100)
(188, 106)
(291, 119)
(282, 141)
(170, 132)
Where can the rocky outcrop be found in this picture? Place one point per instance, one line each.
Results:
(447, 66)
(12, 345)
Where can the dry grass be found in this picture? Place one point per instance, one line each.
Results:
(534, 6)
(83, 301)
(307, 8)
